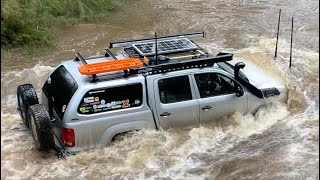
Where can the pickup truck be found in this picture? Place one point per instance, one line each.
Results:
(157, 83)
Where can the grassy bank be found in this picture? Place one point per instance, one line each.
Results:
(33, 22)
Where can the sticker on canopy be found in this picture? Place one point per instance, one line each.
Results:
(99, 91)
(94, 103)
(137, 101)
(101, 106)
(88, 99)
(97, 110)
(114, 103)
(125, 103)
(116, 107)
(64, 108)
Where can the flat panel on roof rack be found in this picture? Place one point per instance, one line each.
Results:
(170, 45)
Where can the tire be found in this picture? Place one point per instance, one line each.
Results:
(41, 127)
(27, 97)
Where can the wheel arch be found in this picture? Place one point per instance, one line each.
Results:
(125, 127)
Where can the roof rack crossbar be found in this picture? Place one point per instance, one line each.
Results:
(80, 58)
(126, 72)
(126, 43)
(185, 64)
(108, 52)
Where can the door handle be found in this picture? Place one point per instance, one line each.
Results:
(165, 114)
(206, 108)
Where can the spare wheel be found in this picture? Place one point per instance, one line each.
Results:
(27, 97)
(41, 127)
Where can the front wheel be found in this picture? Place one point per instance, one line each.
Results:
(41, 127)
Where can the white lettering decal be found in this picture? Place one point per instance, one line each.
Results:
(93, 92)
(64, 108)
(88, 99)
(137, 101)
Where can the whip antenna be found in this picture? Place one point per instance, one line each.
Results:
(156, 46)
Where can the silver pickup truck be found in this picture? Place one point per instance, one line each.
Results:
(158, 83)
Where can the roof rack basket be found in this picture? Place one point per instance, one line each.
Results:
(183, 64)
(132, 66)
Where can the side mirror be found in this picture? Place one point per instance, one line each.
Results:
(239, 91)
(237, 67)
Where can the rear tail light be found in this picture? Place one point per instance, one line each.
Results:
(68, 139)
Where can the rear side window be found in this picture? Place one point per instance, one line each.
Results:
(175, 89)
(109, 99)
(60, 90)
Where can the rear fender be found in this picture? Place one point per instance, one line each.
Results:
(125, 127)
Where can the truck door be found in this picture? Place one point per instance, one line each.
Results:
(218, 96)
(176, 104)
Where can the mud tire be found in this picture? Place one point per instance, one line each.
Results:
(41, 127)
(26, 96)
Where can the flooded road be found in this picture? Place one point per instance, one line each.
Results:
(281, 141)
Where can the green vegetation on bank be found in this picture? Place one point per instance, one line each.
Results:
(33, 22)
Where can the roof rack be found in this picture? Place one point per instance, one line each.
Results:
(107, 66)
(183, 64)
(129, 43)
(132, 66)
(143, 61)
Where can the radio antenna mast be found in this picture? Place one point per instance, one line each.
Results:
(156, 46)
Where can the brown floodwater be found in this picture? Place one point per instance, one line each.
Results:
(280, 141)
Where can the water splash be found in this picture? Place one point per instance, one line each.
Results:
(280, 141)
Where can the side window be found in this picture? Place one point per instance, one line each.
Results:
(212, 84)
(175, 89)
(109, 99)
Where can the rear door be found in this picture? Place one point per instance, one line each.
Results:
(176, 104)
(217, 97)
(59, 89)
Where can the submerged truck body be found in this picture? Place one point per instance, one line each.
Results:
(178, 86)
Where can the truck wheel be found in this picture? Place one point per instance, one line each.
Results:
(27, 97)
(41, 127)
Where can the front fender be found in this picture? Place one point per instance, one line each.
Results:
(124, 127)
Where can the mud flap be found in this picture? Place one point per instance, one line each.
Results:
(61, 153)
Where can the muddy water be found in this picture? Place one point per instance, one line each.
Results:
(281, 141)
